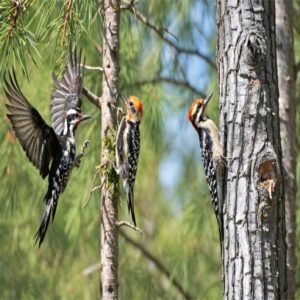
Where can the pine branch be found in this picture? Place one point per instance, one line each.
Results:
(67, 17)
(125, 223)
(17, 6)
(161, 32)
(129, 5)
(169, 80)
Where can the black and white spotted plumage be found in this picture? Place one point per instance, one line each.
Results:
(208, 164)
(50, 149)
(212, 155)
(128, 149)
(59, 175)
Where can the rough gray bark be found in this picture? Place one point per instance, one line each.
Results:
(254, 241)
(287, 109)
(109, 180)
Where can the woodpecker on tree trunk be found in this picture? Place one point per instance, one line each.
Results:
(44, 144)
(212, 155)
(128, 148)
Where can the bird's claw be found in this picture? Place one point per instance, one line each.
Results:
(84, 146)
(81, 154)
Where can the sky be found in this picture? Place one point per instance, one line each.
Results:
(183, 135)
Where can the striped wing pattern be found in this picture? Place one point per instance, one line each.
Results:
(37, 139)
(67, 91)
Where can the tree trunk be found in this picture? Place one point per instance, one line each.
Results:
(287, 109)
(109, 180)
(254, 241)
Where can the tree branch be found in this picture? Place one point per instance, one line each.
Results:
(17, 8)
(161, 33)
(161, 79)
(125, 223)
(129, 5)
(159, 265)
(91, 68)
(91, 269)
(67, 16)
(96, 100)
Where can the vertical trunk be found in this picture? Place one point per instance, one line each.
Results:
(287, 108)
(254, 241)
(109, 181)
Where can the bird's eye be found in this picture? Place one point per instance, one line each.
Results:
(131, 104)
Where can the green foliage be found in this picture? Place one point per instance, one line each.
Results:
(178, 224)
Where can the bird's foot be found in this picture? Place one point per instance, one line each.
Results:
(81, 154)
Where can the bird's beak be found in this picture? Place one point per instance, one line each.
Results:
(84, 117)
(206, 100)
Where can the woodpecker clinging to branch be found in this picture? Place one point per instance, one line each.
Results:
(128, 148)
(43, 143)
(212, 154)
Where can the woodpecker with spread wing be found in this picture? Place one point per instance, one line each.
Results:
(44, 144)
(128, 148)
(212, 154)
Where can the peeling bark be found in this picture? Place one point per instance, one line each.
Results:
(254, 241)
(287, 109)
(109, 180)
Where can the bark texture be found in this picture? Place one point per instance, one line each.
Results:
(109, 180)
(287, 109)
(254, 241)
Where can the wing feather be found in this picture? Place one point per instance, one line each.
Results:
(37, 139)
(67, 91)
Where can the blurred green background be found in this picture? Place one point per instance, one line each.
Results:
(172, 201)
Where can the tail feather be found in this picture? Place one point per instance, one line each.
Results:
(130, 200)
(50, 209)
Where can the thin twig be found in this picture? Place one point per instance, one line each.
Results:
(160, 266)
(66, 21)
(92, 68)
(125, 223)
(161, 33)
(128, 6)
(157, 80)
(92, 189)
(96, 100)
(17, 6)
(91, 269)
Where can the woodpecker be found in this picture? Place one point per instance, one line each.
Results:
(44, 144)
(212, 154)
(128, 148)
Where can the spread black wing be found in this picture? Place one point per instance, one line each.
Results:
(36, 137)
(67, 91)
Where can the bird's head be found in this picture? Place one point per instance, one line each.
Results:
(197, 111)
(73, 118)
(134, 109)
